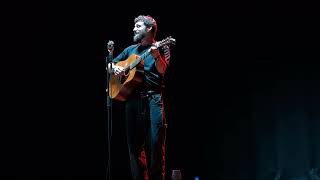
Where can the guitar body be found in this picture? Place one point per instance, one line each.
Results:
(121, 87)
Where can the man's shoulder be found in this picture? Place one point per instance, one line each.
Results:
(132, 46)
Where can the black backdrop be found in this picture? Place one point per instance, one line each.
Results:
(243, 90)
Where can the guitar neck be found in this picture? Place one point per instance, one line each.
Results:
(161, 43)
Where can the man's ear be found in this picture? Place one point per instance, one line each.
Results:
(149, 29)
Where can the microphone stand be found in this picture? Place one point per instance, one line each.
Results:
(108, 60)
(109, 110)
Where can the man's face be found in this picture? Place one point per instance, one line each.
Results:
(140, 31)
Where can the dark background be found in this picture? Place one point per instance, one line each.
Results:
(243, 89)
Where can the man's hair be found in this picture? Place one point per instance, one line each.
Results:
(149, 22)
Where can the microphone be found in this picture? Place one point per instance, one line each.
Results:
(110, 47)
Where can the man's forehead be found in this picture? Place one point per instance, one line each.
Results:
(139, 23)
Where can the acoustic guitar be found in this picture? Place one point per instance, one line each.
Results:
(121, 87)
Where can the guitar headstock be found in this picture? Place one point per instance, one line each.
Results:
(167, 41)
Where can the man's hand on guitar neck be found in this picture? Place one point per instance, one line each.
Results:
(154, 52)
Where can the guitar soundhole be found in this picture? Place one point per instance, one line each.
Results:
(122, 79)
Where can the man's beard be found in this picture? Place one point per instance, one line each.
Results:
(138, 37)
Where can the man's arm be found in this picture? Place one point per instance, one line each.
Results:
(161, 60)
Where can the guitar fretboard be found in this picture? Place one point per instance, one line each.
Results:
(161, 43)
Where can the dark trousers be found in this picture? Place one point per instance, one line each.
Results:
(146, 131)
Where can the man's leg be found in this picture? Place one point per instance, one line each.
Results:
(157, 138)
(135, 125)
